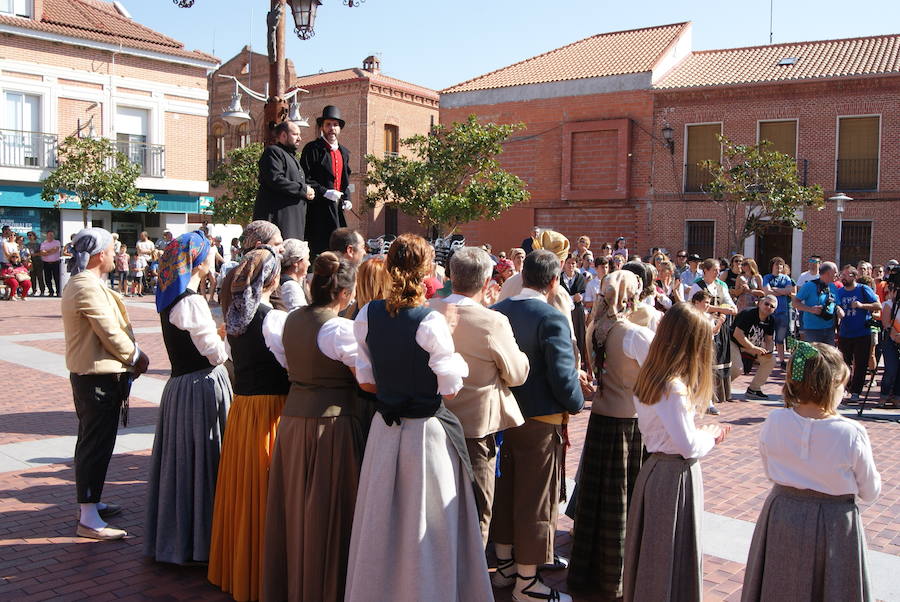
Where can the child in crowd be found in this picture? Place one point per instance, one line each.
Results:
(701, 301)
(122, 260)
(663, 555)
(621, 247)
(136, 276)
(809, 543)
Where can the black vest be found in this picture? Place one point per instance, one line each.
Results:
(183, 354)
(406, 385)
(256, 371)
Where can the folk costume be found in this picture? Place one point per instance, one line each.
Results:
(195, 401)
(576, 285)
(663, 555)
(316, 463)
(722, 357)
(327, 168)
(260, 387)
(613, 449)
(415, 526)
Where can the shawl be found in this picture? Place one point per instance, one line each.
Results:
(258, 269)
(179, 259)
(618, 297)
(259, 231)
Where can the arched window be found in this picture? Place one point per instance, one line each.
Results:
(243, 135)
(218, 133)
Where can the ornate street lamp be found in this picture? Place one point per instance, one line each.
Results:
(305, 17)
(839, 200)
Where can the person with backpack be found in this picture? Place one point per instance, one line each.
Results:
(816, 303)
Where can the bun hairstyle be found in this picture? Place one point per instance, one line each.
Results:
(408, 262)
(331, 275)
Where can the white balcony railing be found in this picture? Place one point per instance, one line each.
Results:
(27, 149)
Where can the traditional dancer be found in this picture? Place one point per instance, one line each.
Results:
(809, 543)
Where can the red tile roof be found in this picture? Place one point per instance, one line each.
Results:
(817, 59)
(616, 53)
(332, 77)
(99, 21)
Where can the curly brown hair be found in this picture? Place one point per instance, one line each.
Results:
(408, 262)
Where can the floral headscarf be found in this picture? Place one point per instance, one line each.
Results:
(620, 291)
(257, 271)
(178, 260)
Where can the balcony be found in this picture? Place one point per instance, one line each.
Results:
(27, 149)
(151, 158)
(857, 174)
(696, 178)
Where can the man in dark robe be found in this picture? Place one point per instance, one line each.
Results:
(326, 164)
(283, 192)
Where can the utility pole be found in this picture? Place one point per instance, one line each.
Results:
(276, 107)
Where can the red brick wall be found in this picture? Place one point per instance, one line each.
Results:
(185, 137)
(71, 110)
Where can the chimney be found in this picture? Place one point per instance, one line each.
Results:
(372, 64)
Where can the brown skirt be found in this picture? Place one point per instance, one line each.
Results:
(663, 557)
(239, 514)
(312, 494)
(807, 546)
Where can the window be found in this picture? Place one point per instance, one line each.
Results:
(131, 135)
(19, 8)
(21, 143)
(857, 162)
(702, 145)
(701, 237)
(782, 135)
(391, 140)
(243, 134)
(856, 242)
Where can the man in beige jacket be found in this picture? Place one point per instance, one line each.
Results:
(484, 338)
(102, 358)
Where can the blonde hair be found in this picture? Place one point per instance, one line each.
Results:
(408, 263)
(682, 348)
(751, 263)
(822, 374)
(372, 281)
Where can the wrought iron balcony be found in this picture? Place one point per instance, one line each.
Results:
(27, 149)
(150, 157)
(857, 174)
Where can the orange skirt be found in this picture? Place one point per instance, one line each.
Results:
(239, 514)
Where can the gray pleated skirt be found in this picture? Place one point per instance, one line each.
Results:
(663, 555)
(185, 462)
(807, 546)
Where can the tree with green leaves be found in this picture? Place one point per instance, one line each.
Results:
(449, 177)
(239, 176)
(91, 171)
(758, 188)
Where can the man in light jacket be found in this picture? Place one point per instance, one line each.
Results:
(484, 338)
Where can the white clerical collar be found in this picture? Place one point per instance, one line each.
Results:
(330, 145)
(457, 299)
(530, 293)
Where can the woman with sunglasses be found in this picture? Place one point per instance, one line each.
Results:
(752, 277)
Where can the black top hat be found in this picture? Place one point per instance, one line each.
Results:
(331, 112)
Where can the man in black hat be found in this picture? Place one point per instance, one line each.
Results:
(283, 191)
(326, 164)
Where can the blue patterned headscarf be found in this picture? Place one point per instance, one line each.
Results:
(181, 256)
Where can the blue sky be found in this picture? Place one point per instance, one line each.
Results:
(437, 43)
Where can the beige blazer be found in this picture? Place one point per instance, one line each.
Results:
(99, 337)
(485, 339)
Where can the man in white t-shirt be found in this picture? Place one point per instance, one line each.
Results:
(145, 246)
(812, 273)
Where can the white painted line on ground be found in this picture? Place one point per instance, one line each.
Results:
(52, 336)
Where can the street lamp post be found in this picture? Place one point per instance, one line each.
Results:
(839, 200)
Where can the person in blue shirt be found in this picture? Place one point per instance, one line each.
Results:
(857, 301)
(780, 284)
(816, 302)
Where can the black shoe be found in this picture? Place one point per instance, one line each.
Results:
(110, 511)
(783, 365)
(559, 563)
(751, 394)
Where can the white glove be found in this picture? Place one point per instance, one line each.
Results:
(347, 206)
(333, 195)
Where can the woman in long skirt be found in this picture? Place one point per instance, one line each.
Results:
(319, 448)
(613, 451)
(663, 557)
(260, 387)
(809, 542)
(416, 534)
(185, 462)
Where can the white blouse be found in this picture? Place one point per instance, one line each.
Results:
(192, 314)
(433, 335)
(830, 455)
(668, 425)
(293, 295)
(335, 338)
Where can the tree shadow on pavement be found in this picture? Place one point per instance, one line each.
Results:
(61, 423)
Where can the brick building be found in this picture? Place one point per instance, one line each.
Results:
(85, 63)
(596, 162)
(378, 110)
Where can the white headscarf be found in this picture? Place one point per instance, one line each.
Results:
(88, 242)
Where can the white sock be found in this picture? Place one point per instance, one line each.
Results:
(90, 517)
(503, 551)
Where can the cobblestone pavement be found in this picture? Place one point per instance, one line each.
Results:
(40, 559)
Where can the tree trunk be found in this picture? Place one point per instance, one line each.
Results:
(84, 213)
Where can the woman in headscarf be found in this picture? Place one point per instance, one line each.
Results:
(294, 265)
(416, 534)
(260, 386)
(612, 454)
(195, 401)
(319, 448)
